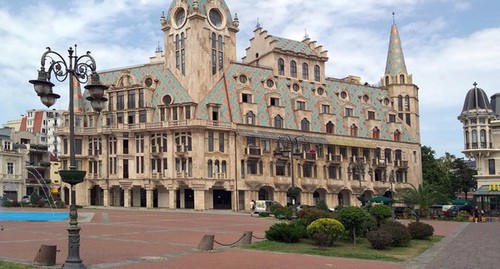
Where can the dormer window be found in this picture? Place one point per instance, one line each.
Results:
(301, 105)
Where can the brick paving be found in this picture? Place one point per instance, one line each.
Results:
(134, 238)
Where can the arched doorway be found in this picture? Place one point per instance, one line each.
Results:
(293, 196)
(266, 193)
(344, 197)
(319, 195)
(389, 194)
(96, 196)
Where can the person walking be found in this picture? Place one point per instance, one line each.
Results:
(252, 207)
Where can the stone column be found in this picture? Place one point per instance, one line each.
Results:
(171, 199)
(149, 198)
(199, 199)
(106, 196)
(126, 197)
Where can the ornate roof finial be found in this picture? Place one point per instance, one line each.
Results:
(306, 36)
(258, 23)
(163, 21)
(236, 21)
(393, 18)
(475, 84)
(158, 48)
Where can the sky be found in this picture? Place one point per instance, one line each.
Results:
(448, 45)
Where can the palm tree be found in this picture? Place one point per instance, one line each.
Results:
(424, 196)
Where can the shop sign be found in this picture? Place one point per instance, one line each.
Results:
(494, 187)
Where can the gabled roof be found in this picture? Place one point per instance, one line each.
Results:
(293, 46)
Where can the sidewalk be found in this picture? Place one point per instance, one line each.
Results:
(118, 238)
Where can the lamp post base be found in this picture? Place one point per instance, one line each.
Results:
(73, 261)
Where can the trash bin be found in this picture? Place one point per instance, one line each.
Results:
(46, 255)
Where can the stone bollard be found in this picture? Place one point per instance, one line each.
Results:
(206, 243)
(46, 255)
(247, 238)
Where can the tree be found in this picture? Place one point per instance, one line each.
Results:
(354, 219)
(424, 196)
(381, 213)
(462, 177)
(435, 172)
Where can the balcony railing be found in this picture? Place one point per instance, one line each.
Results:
(333, 158)
(253, 152)
(379, 162)
(400, 163)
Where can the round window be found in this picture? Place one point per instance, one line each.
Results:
(215, 17)
(343, 95)
(270, 83)
(148, 82)
(320, 91)
(243, 79)
(180, 16)
(366, 98)
(296, 87)
(167, 100)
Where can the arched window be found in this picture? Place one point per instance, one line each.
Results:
(304, 125)
(214, 53)
(305, 71)
(217, 166)
(278, 122)
(407, 103)
(250, 118)
(177, 52)
(330, 128)
(482, 138)
(397, 135)
(210, 169)
(354, 130)
(317, 73)
(400, 103)
(467, 140)
(387, 153)
(224, 167)
(183, 53)
(386, 80)
(221, 53)
(281, 67)
(402, 79)
(474, 139)
(376, 133)
(293, 69)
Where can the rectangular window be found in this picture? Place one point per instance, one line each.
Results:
(10, 168)
(221, 142)
(274, 101)
(349, 112)
(392, 118)
(131, 100)
(143, 116)
(210, 141)
(175, 116)
(119, 117)
(131, 118)
(408, 119)
(141, 98)
(246, 98)
(491, 166)
(187, 113)
(252, 166)
(78, 146)
(120, 101)
(371, 115)
(325, 109)
(301, 105)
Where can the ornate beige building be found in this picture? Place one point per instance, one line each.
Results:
(194, 128)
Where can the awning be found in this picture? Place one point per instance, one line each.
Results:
(486, 190)
(276, 136)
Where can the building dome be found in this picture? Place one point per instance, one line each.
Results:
(476, 99)
(214, 10)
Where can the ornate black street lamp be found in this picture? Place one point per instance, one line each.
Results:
(391, 181)
(288, 146)
(83, 69)
(358, 164)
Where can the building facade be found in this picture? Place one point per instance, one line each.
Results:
(12, 169)
(194, 128)
(480, 118)
(44, 122)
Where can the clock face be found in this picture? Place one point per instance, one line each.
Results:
(215, 17)
(180, 15)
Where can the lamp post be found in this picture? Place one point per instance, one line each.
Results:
(83, 69)
(391, 181)
(359, 166)
(289, 145)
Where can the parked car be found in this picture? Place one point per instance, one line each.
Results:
(452, 212)
(264, 205)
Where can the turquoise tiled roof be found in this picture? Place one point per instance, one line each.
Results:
(395, 59)
(294, 46)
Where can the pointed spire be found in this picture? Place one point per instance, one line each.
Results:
(306, 36)
(78, 104)
(395, 59)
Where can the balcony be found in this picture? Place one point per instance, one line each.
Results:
(332, 158)
(253, 152)
(181, 149)
(182, 174)
(310, 156)
(401, 164)
(379, 162)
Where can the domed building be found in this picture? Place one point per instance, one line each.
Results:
(196, 128)
(481, 139)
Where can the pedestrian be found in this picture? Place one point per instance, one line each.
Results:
(476, 214)
(252, 207)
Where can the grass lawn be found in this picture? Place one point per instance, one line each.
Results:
(11, 265)
(345, 249)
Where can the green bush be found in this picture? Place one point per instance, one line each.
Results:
(379, 239)
(263, 214)
(322, 240)
(381, 213)
(284, 232)
(354, 220)
(400, 235)
(311, 214)
(281, 212)
(15, 204)
(34, 198)
(462, 216)
(40, 203)
(420, 230)
(322, 205)
(331, 227)
(60, 204)
(302, 225)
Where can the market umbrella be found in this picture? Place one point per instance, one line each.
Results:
(380, 199)
(459, 202)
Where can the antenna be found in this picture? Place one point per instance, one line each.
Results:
(393, 18)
